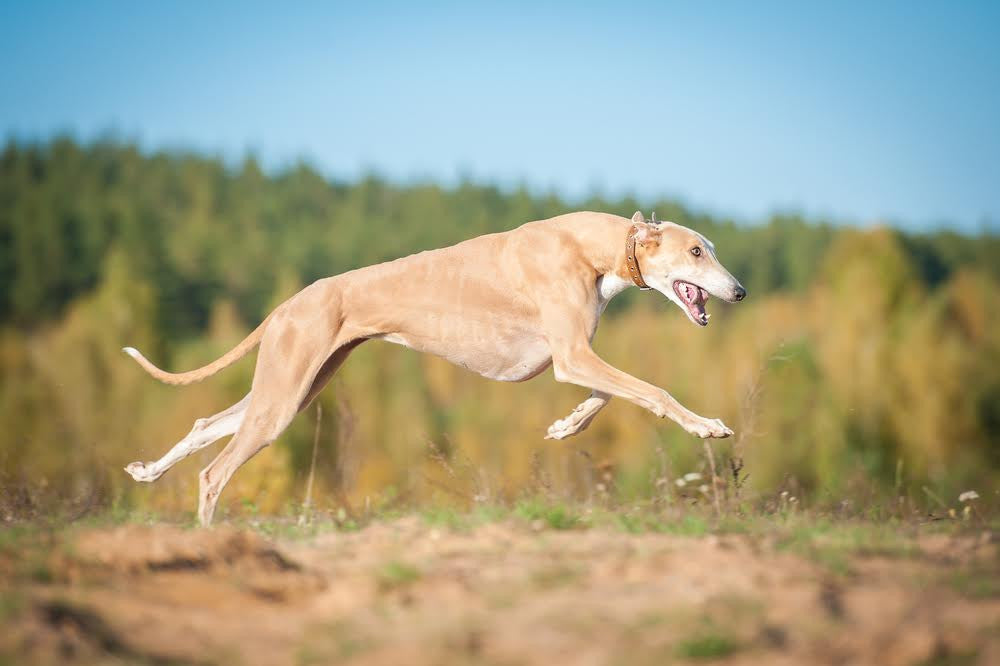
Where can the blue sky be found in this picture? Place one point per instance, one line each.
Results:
(851, 111)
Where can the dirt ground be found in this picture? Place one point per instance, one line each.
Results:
(406, 592)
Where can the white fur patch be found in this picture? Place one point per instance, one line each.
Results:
(609, 286)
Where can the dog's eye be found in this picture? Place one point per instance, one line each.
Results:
(696, 251)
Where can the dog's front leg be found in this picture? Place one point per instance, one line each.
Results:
(580, 365)
(579, 418)
(576, 363)
(567, 326)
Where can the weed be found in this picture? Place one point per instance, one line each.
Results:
(40, 573)
(833, 544)
(395, 574)
(976, 583)
(12, 538)
(335, 642)
(943, 657)
(555, 576)
(689, 525)
(554, 516)
(446, 517)
(11, 605)
(706, 646)
(631, 523)
(250, 506)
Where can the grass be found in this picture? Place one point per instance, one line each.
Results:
(706, 646)
(557, 575)
(690, 525)
(832, 544)
(394, 574)
(976, 583)
(822, 536)
(951, 659)
(452, 518)
(334, 642)
(552, 515)
(293, 528)
(11, 604)
(819, 535)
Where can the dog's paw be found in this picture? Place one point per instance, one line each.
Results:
(562, 429)
(706, 428)
(142, 472)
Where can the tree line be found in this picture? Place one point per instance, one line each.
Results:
(877, 347)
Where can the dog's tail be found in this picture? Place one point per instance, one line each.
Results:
(227, 359)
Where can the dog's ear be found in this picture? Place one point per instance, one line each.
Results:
(647, 234)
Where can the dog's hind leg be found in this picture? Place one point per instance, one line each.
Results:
(204, 432)
(328, 370)
(225, 423)
(286, 378)
(267, 416)
(580, 417)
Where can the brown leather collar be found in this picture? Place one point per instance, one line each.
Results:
(630, 260)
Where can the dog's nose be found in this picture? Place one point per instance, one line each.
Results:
(740, 293)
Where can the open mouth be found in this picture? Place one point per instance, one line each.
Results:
(694, 298)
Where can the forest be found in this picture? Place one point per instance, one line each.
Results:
(864, 365)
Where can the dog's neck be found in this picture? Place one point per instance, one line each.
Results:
(607, 252)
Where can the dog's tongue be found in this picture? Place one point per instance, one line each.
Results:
(693, 294)
(695, 298)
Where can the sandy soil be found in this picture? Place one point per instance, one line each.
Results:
(504, 593)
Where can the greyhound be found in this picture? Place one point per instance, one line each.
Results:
(504, 305)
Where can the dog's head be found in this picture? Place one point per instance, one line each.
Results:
(681, 264)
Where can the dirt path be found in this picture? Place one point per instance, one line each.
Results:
(502, 593)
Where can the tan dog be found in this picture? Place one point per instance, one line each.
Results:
(503, 305)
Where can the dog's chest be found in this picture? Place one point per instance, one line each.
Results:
(523, 359)
(508, 354)
(608, 286)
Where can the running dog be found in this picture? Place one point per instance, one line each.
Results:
(504, 305)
